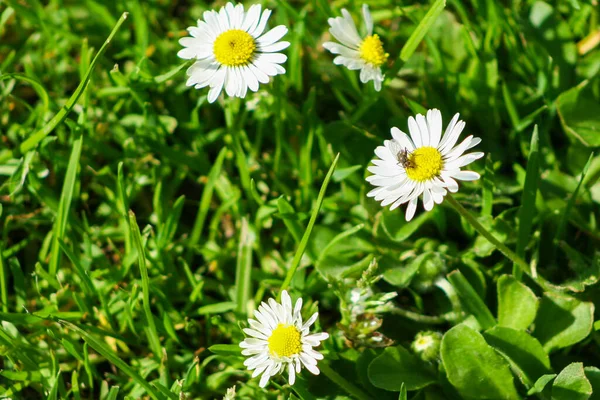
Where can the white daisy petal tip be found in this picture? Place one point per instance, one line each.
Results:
(278, 341)
(366, 54)
(228, 45)
(425, 164)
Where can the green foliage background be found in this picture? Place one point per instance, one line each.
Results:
(140, 225)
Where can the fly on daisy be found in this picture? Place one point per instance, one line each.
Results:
(424, 163)
(232, 52)
(354, 52)
(278, 340)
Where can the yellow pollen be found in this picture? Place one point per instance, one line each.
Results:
(285, 341)
(234, 47)
(424, 163)
(372, 52)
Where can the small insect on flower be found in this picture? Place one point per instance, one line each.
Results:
(232, 52)
(424, 163)
(279, 340)
(366, 54)
(403, 157)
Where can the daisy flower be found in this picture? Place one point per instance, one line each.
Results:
(232, 52)
(279, 340)
(424, 163)
(355, 52)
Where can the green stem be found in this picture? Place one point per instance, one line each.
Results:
(493, 240)
(425, 319)
(232, 110)
(343, 382)
(488, 235)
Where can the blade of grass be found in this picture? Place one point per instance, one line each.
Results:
(565, 216)
(115, 360)
(417, 36)
(470, 300)
(3, 281)
(205, 203)
(64, 205)
(37, 137)
(309, 228)
(527, 209)
(151, 331)
(243, 273)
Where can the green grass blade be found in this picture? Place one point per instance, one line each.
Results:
(243, 274)
(3, 282)
(205, 200)
(527, 210)
(470, 300)
(309, 228)
(285, 210)
(151, 327)
(64, 205)
(419, 33)
(115, 360)
(565, 216)
(37, 137)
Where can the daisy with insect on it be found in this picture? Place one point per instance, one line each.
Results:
(355, 52)
(426, 163)
(232, 51)
(280, 342)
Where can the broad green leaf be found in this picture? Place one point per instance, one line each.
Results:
(517, 304)
(541, 383)
(579, 114)
(562, 321)
(571, 384)
(474, 368)
(470, 300)
(396, 367)
(524, 353)
(593, 375)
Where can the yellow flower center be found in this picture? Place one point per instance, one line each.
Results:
(234, 47)
(424, 163)
(285, 341)
(372, 52)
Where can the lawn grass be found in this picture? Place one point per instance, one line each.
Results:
(142, 226)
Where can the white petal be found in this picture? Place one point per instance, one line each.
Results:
(427, 200)
(452, 138)
(291, 374)
(434, 124)
(368, 19)
(313, 369)
(415, 133)
(260, 27)
(276, 58)
(402, 139)
(410, 210)
(272, 36)
(466, 176)
(275, 47)
(252, 18)
(423, 129)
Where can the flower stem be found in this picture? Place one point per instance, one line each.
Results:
(488, 235)
(343, 382)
